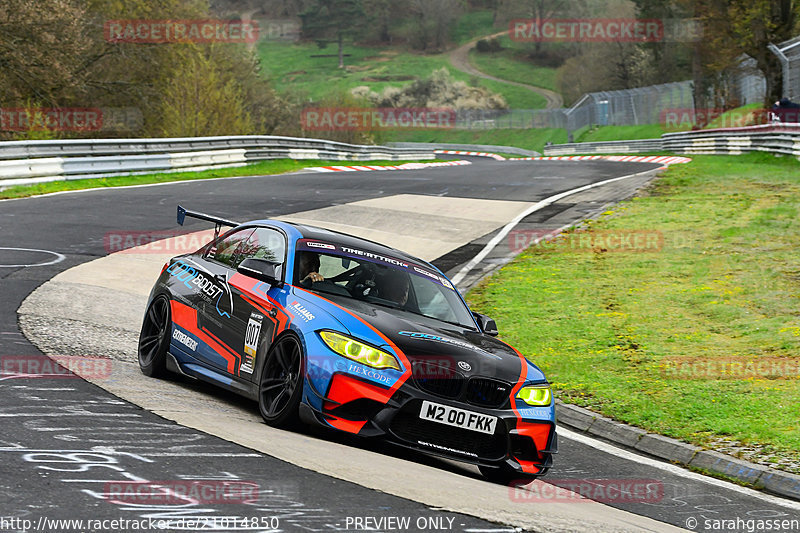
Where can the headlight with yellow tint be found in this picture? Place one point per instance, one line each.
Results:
(358, 351)
(536, 395)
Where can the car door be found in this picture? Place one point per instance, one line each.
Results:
(242, 325)
(217, 316)
(257, 315)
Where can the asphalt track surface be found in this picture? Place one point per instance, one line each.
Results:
(64, 440)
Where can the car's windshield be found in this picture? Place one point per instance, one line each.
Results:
(379, 279)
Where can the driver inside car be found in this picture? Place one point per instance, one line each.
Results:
(309, 269)
(395, 288)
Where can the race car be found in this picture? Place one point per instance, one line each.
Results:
(326, 328)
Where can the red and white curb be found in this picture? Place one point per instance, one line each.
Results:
(404, 166)
(474, 154)
(663, 159)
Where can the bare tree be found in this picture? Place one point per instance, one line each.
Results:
(434, 19)
(333, 19)
(43, 50)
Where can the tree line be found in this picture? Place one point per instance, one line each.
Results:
(54, 54)
(704, 41)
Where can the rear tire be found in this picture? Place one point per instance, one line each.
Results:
(154, 338)
(505, 475)
(281, 386)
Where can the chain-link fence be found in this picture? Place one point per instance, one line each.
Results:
(629, 107)
(749, 84)
(644, 105)
(789, 54)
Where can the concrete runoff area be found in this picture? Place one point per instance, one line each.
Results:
(425, 226)
(69, 314)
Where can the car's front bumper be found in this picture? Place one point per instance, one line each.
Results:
(365, 409)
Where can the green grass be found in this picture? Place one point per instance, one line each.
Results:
(619, 133)
(605, 326)
(473, 25)
(516, 97)
(291, 68)
(530, 139)
(746, 115)
(511, 64)
(279, 166)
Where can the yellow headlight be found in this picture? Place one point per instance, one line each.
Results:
(536, 395)
(358, 351)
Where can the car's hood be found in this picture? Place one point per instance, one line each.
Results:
(421, 338)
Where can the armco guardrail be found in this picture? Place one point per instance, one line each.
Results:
(468, 147)
(25, 162)
(606, 147)
(773, 138)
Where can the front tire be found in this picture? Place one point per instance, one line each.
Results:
(281, 386)
(154, 338)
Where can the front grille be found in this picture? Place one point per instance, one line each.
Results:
(488, 392)
(438, 380)
(448, 440)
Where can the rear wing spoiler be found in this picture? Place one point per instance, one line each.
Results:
(218, 222)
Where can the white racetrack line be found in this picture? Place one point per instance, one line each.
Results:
(532, 209)
(673, 469)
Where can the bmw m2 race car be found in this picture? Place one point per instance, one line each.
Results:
(331, 329)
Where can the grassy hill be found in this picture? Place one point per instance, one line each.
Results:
(293, 67)
(511, 64)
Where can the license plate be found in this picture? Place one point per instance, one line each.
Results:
(460, 418)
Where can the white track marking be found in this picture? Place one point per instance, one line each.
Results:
(672, 469)
(58, 259)
(466, 269)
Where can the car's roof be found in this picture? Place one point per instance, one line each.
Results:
(344, 239)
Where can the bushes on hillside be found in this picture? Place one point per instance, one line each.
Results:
(438, 90)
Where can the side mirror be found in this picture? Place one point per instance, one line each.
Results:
(262, 270)
(488, 325)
